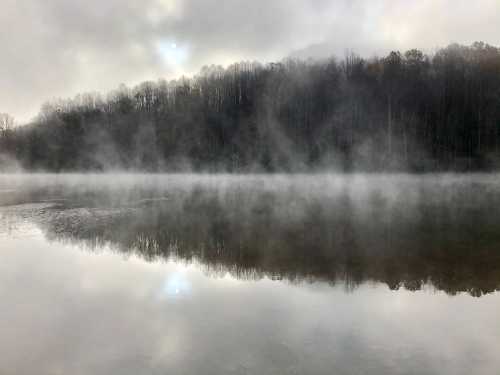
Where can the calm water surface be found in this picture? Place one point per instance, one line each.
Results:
(250, 275)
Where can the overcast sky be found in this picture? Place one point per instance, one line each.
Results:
(57, 48)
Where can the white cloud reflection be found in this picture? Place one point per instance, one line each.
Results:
(75, 312)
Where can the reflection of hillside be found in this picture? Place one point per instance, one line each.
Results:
(450, 243)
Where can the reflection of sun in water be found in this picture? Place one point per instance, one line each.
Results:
(176, 284)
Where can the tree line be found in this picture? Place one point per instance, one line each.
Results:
(405, 111)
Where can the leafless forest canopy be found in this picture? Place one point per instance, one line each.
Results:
(405, 111)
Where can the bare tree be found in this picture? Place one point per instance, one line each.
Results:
(6, 123)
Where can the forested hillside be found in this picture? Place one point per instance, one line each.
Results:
(405, 111)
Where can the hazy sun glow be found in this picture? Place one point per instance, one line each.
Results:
(173, 55)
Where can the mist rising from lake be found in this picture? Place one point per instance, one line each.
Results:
(250, 274)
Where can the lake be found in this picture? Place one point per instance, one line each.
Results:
(226, 274)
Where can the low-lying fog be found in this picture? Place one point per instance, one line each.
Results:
(250, 274)
(403, 230)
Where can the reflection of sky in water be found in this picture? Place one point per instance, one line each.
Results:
(75, 312)
(176, 284)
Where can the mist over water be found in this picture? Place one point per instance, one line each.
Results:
(403, 230)
(254, 274)
(249, 187)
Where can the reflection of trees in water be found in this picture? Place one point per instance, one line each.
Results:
(408, 240)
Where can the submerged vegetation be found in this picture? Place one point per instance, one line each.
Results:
(406, 111)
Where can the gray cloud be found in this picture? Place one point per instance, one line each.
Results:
(58, 48)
